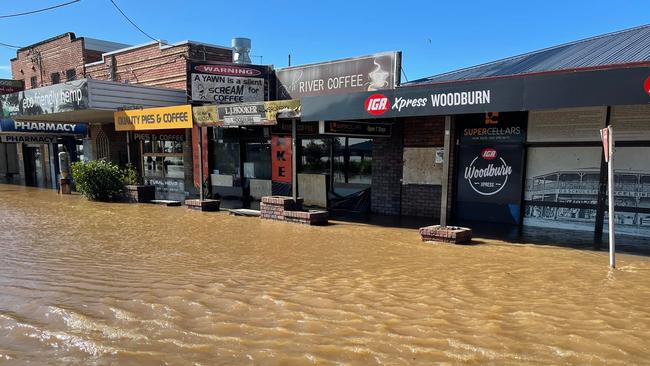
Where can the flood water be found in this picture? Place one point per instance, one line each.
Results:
(97, 283)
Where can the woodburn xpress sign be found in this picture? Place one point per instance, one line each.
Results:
(154, 118)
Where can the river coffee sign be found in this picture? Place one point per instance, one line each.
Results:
(227, 83)
(367, 73)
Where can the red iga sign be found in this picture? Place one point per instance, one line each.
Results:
(281, 158)
(489, 153)
(646, 85)
(377, 104)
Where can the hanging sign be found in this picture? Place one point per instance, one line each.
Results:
(245, 114)
(349, 128)
(281, 159)
(154, 118)
(29, 138)
(223, 83)
(9, 125)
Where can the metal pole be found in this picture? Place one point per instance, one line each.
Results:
(610, 193)
(294, 168)
(128, 147)
(445, 172)
(200, 149)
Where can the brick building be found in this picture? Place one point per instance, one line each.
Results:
(159, 66)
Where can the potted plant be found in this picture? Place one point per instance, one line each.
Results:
(98, 180)
(134, 189)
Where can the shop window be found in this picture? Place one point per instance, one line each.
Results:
(562, 187)
(33, 82)
(163, 166)
(351, 166)
(315, 156)
(258, 160)
(55, 77)
(70, 74)
(352, 160)
(226, 158)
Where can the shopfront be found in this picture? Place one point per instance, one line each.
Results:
(521, 151)
(83, 102)
(242, 147)
(157, 141)
(29, 150)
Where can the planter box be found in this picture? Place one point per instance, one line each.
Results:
(283, 208)
(139, 193)
(203, 205)
(446, 234)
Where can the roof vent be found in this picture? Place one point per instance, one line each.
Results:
(241, 48)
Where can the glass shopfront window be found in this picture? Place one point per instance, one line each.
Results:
(350, 167)
(162, 164)
(241, 165)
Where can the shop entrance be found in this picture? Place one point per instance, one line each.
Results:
(241, 165)
(35, 166)
(347, 164)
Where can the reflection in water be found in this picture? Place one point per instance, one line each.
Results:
(97, 283)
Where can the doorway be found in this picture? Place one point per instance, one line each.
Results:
(35, 164)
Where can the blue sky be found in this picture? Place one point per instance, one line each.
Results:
(434, 36)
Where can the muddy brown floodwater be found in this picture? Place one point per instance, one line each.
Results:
(97, 283)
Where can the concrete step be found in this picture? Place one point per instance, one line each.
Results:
(166, 202)
(244, 212)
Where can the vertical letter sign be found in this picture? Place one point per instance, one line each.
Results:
(281, 158)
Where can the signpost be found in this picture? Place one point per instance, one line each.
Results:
(607, 136)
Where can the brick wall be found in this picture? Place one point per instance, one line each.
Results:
(422, 200)
(387, 162)
(424, 131)
(55, 55)
(154, 65)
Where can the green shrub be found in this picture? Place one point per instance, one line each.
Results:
(130, 176)
(98, 180)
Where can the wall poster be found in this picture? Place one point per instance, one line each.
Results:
(490, 167)
(562, 188)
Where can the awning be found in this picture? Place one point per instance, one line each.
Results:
(624, 86)
(246, 114)
(85, 100)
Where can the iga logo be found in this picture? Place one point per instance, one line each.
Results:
(488, 153)
(646, 85)
(489, 175)
(377, 104)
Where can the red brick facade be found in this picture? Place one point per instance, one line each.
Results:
(150, 64)
(55, 55)
(153, 64)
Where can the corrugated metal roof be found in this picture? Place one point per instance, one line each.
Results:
(617, 48)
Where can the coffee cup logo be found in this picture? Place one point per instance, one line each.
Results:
(378, 78)
(488, 173)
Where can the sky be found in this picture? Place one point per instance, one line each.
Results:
(434, 36)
